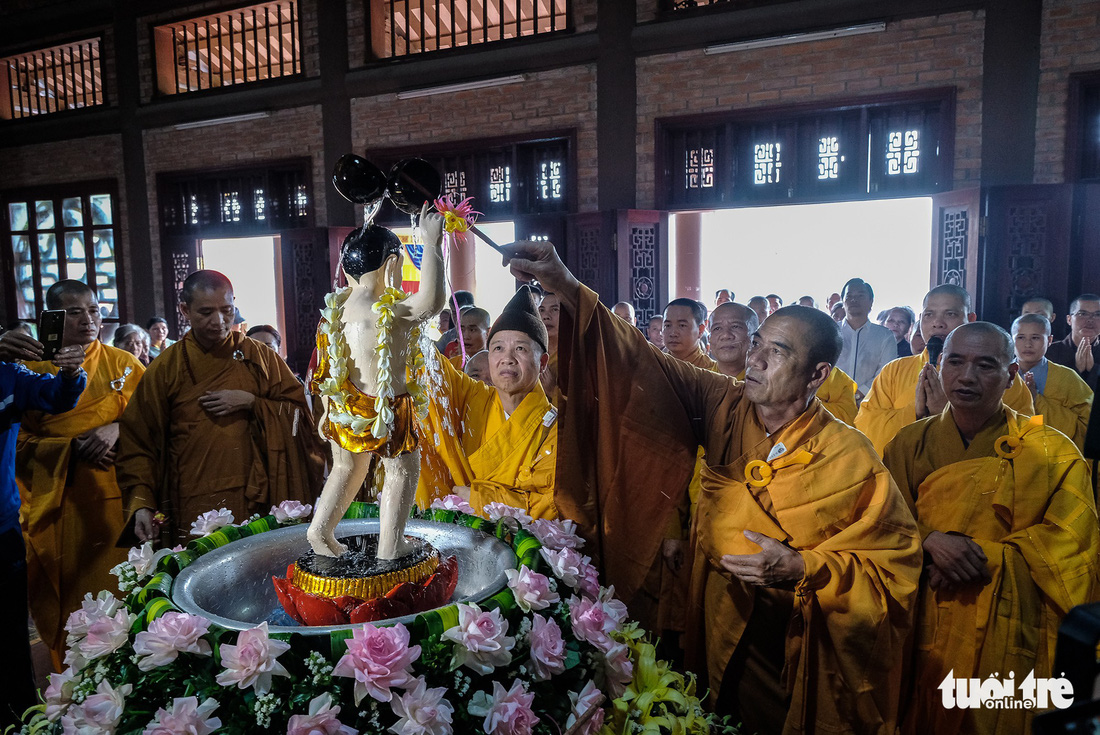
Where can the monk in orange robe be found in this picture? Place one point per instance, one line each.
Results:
(731, 324)
(65, 467)
(549, 309)
(908, 389)
(1005, 508)
(805, 555)
(219, 421)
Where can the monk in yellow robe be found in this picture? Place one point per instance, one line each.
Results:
(731, 324)
(219, 421)
(805, 555)
(908, 389)
(474, 326)
(65, 467)
(498, 443)
(1061, 397)
(1005, 507)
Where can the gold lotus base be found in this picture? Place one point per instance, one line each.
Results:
(365, 588)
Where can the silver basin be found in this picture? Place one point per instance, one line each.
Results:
(231, 585)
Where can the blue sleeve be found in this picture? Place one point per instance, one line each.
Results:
(49, 393)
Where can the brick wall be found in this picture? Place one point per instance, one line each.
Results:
(82, 159)
(911, 54)
(308, 41)
(357, 33)
(550, 100)
(291, 133)
(1070, 42)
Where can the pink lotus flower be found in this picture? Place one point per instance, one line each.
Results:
(187, 717)
(506, 515)
(592, 622)
(291, 510)
(452, 502)
(589, 584)
(141, 559)
(582, 702)
(510, 712)
(378, 659)
(531, 589)
(91, 609)
(547, 648)
(168, 636)
(100, 712)
(618, 670)
(106, 635)
(422, 711)
(251, 663)
(481, 640)
(321, 719)
(59, 694)
(568, 565)
(211, 521)
(556, 535)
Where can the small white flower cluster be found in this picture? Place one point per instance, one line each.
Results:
(372, 714)
(320, 668)
(253, 517)
(89, 681)
(127, 576)
(462, 684)
(265, 706)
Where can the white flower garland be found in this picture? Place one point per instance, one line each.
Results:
(338, 355)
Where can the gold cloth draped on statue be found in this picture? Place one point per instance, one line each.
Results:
(402, 437)
(630, 431)
(1030, 508)
(501, 459)
(177, 458)
(72, 510)
(892, 401)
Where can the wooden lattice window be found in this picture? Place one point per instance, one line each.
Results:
(420, 26)
(251, 44)
(894, 146)
(66, 77)
(64, 232)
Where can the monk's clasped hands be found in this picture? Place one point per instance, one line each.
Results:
(931, 400)
(956, 560)
(775, 565)
(225, 402)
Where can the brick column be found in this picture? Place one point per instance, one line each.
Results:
(689, 255)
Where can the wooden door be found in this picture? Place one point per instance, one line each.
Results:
(308, 259)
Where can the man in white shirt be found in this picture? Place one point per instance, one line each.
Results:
(867, 346)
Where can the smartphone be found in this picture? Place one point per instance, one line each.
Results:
(51, 331)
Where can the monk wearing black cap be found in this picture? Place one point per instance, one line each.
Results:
(496, 443)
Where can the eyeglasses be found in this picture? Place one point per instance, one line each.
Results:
(1087, 314)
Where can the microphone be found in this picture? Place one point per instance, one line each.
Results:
(934, 346)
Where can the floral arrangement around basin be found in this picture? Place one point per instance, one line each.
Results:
(551, 653)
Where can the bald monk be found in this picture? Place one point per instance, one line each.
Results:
(1005, 507)
(1061, 397)
(683, 329)
(1039, 305)
(805, 555)
(907, 389)
(474, 323)
(218, 421)
(477, 367)
(497, 442)
(732, 324)
(625, 311)
(65, 467)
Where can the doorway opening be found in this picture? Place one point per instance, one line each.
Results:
(812, 249)
(252, 265)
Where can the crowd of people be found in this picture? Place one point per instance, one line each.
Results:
(822, 516)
